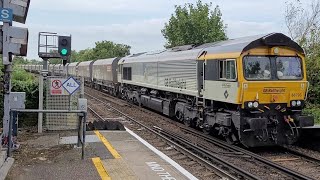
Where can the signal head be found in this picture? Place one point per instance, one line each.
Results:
(64, 45)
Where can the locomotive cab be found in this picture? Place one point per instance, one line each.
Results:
(274, 90)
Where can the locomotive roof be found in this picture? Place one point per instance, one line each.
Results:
(246, 43)
(164, 55)
(238, 46)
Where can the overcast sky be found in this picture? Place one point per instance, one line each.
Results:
(138, 23)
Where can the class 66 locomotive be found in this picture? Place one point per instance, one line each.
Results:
(249, 90)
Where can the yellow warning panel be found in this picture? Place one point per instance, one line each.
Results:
(108, 145)
(100, 168)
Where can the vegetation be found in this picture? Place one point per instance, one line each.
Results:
(23, 81)
(102, 50)
(304, 27)
(194, 24)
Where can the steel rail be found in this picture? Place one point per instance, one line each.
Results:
(300, 154)
(220, 172)
(210, 155)
(96, 114)
(222, 144)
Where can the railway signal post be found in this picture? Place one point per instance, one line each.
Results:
(51, 45)
(14, 42)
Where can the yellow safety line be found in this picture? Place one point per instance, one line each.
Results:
(114, 153)
(100, 168)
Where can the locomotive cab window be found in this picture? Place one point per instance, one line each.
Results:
(272, 68)
(227, 69)
(289, 68)
(222, 65)
(257, 67)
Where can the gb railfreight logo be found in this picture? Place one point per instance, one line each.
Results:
(274, 90)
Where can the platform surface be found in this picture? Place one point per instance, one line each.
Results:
(115, 155)
(137, 158)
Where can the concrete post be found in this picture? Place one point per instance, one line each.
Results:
(40, 115)
(43, 74)
(6, 101)
(82, 88)
(65, 72)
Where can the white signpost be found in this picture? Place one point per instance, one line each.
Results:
(71, 85)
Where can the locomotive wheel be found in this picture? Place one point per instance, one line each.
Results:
(187, 122)
(179, 116)
(206, 131)
(135, 101)
(229, 139)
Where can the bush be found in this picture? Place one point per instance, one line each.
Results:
(23, 81)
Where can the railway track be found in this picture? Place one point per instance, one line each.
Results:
(187, 150)
(236, 149)
(301, 155)
(207, 152)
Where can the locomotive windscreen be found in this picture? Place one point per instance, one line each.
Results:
(272, 68)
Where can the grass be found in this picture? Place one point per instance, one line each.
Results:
(313, 110)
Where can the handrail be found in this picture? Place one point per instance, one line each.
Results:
(82, 124)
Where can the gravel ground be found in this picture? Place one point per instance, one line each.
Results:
(34, 149)
(292, 161)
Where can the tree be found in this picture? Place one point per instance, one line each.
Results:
(194, 24)
(19, 60)
(304, 27)
(74, 56)
(85, 55)
(102, 50)
(108, 49)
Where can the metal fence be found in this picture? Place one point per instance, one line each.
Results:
(61, 121)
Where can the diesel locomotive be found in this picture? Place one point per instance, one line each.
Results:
(248, 90)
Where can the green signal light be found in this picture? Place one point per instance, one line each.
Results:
(64, 52)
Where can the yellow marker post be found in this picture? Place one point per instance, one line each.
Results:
(114, 153)
(101, 170)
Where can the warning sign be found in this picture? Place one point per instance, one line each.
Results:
(56, 84)
(56, 87)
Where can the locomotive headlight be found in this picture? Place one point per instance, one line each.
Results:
(255, 104)
(299, 103)
(250, 104)
(294, 103)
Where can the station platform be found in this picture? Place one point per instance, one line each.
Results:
(109, 155)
